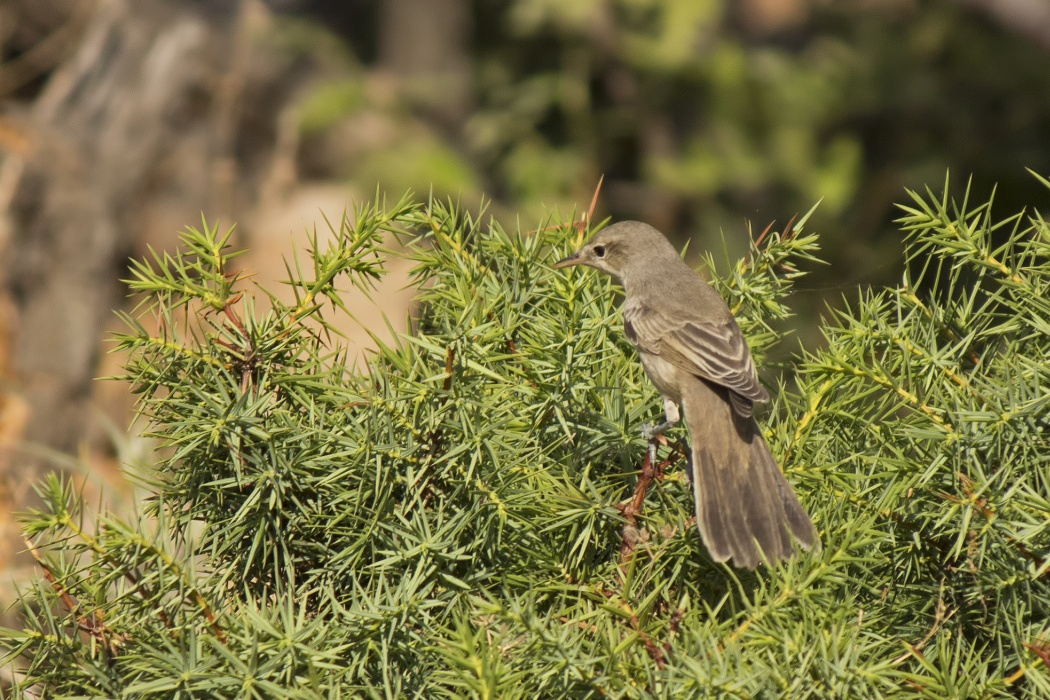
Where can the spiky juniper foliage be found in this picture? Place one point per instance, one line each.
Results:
(446, 523)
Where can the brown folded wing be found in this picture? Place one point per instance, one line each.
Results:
(716, 352)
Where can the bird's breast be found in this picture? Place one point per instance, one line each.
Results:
(662, 374)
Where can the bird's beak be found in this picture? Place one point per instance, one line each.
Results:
(573, 259)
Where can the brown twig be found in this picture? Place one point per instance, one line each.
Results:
(633, 508)
(789, 230)
(70, 603)
(91, 624)
(762, 237)
(450, 364)
(585, 220)
(1027, 553)
(980, 503)
(656, 653)
(589, 216)
(654, 649)
(141, 590)
(786, 235)
(1042, 650)
(676, 621)
(651, 471)
(213, 621)
(232, 315)
(939, 618)
(247, 353)
(134, 581)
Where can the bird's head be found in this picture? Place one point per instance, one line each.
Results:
(621, 248)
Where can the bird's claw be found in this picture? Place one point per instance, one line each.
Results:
(651, 431)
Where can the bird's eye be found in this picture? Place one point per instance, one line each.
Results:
(599, 251)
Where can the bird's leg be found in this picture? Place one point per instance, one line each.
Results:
(650, 432)
(651, 470)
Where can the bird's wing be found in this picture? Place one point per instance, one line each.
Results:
(714, 351)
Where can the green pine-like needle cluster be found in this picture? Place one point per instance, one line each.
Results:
(449, 521)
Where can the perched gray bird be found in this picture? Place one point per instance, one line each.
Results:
(695, 354)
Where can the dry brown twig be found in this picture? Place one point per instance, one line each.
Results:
(92, 623)
(651, 471)
(585, 219)
(1042, 650)
(940, 616)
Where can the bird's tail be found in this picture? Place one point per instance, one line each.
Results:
(743, 501)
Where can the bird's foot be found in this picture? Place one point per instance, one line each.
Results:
(651, 432)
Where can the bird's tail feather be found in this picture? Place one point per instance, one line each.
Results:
(743, 501)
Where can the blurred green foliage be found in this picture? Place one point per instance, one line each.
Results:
(327, 104)
(423, 159)
(704, 113)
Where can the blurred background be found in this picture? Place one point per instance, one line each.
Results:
(122, 121)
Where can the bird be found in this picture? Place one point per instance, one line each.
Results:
(693, 351)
